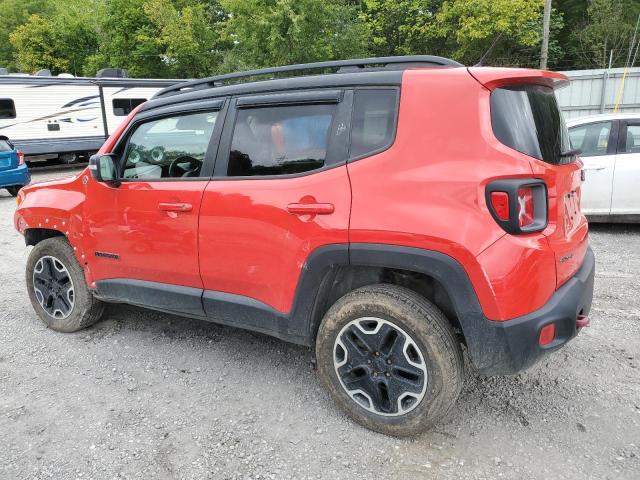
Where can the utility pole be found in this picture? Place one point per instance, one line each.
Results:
(546, 20)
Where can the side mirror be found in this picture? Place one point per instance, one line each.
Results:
(103, 169)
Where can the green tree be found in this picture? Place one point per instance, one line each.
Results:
(60, 42)
(14, 14)
(128, 39)
(400, 27)
(279, 32)
(609, 28)
(469, 26)
(189, 35)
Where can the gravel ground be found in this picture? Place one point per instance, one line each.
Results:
(148, 395)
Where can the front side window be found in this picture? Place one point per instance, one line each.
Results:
(124, 106)
(374, 118)
(7, 108)
(592, 139)
(170, 147)
(632, 140)
(280, 140)
(527, 119)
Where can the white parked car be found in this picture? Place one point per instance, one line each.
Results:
(610, 145)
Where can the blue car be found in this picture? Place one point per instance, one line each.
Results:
(14, 173)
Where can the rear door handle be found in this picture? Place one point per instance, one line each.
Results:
(310, 208)
(175, 207)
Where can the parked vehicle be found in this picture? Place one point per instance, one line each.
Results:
(14, 173)
(373, 213)
(68, 117)
(610, 151)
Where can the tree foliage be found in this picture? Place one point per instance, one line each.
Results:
(609, 27)
(194, 38)
(278, 32)
(60, 39)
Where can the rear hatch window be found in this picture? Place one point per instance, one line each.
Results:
(5, 146)
(527, 119)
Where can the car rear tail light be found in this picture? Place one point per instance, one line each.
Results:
(525, 206)
(20, 157)
(500, 204)
(547, 334)
(519, 206)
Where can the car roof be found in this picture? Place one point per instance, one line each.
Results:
(602, 117)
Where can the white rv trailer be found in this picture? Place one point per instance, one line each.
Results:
(65, 116)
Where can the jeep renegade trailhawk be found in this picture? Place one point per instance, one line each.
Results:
(385, 211)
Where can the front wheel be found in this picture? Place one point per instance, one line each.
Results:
(57, 289)
(13, 191)
(390, 359)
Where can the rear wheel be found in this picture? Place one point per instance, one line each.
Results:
(14, 190)
(57, 289)
(68, 158)
(390, 359)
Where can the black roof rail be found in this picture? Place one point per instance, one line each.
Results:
(342, 66)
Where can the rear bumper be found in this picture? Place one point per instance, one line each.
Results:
(15, 177)
(511, 346)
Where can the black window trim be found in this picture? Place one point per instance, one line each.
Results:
(336, 152)
(13, 104)
(219, 105)
(292, 98)
(622, 136)
(612, 143)
(392, 140)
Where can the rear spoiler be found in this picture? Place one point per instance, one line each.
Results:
(6, 139)
(492, 77)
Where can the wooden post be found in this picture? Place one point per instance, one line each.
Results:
(546, 20)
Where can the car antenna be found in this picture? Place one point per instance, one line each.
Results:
(481, 61)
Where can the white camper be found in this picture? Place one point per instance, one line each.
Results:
(66, 116)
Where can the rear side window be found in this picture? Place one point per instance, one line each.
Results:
(280, 140)
(124, 106)
(374, 118)
(632, 139)
(7, 108)
(592, 139)
(527, 119)
(5, 146)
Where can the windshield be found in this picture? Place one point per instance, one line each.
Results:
(527, 119)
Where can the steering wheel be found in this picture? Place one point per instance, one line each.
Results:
(176, 169)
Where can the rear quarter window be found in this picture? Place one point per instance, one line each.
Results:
(374, 121)
(527, 119)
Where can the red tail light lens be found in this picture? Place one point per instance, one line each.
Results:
(20, 157)
(500, 204)
(526, 214)
(518, 205)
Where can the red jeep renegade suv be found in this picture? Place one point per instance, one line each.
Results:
(386, 211)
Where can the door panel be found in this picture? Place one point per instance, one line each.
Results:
(626, 179)
(147, 227)
(597, 186)
(277, 195)
(130, 235)
(252, 245)
(597, 141)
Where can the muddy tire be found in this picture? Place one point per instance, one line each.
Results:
(390, 359)
(13, 191)
(57, 289)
